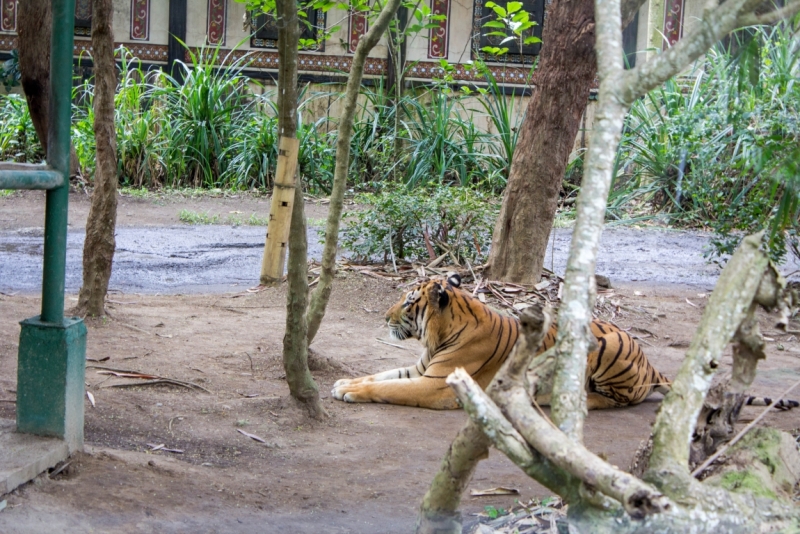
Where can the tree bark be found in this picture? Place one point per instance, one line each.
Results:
(295, 347)
(322, 293)
(35, 27)
(98, 248)
(562, 80)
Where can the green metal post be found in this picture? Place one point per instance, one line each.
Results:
(55, 222)
(52, 349)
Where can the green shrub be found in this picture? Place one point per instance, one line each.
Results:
(719, 150)
(454, 220)
(18, 140)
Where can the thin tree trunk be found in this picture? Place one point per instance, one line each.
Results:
(35, 27)
(295, 346)
(322, 293)
(295, 342)
(562, 80)
(98, 249)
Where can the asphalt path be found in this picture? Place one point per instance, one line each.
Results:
(218, 259)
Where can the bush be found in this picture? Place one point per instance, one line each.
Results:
(451, 220)
(719, 150)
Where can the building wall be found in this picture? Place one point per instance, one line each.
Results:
(143, 26)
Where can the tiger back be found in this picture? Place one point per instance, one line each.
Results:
(457, 330)
(617, 372)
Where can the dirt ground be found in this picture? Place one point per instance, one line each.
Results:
(365, 469)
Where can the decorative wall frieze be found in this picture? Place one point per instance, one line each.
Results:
(148, 53)
(217, 17)
(8, 15)
(673, 22)
(357, 28)
(439, 39)
(8, 42)
(140, 20)
(428, 70)
(316, 63)
(83, 18)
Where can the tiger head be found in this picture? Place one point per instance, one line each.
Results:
(411, 316)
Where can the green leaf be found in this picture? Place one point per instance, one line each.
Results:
(494, 24)
(500, 11)
(513, 7)
(531, 40)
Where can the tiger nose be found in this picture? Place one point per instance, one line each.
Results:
(387, 317)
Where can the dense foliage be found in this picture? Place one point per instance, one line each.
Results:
(719, 149)
(217, 129)
(421, 224)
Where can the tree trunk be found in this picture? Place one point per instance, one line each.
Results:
(322, 293)
(98, 249)
(295, 342)
(561, 84)
(562, 80)
(35, 27)
(295, 346)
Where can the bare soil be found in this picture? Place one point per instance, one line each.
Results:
(365, 469)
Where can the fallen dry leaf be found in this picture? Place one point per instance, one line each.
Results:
(494, 491)
(90, 397)
(251, 436)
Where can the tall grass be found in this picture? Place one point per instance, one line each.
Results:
(213, 127)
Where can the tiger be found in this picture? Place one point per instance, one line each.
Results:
(458, 330)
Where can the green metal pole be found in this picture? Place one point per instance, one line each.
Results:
(55, 236)
(52, 349)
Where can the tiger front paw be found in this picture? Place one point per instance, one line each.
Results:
(344, 391)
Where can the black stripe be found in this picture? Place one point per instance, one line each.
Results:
(616, 356)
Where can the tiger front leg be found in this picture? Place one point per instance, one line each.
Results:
(411, 371)
(423, 392)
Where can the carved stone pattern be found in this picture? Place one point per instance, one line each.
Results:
(140, 20)
(357, 27)
(503, 74)
(143, 52)
(305, 62)
(439, 40)
(673, 22)
(217, 15)
(8, 22)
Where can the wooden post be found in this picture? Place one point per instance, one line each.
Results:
(280, 212)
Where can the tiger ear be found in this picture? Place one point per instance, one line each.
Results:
(454, 279)
(437, 295)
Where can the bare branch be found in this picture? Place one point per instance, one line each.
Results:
(321, 294)
(438, 512)
(638, 498)
(714, 26)
(727, 308)
(744, 431)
